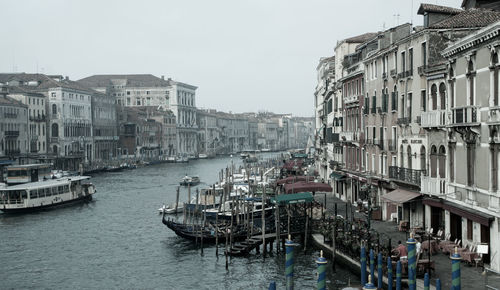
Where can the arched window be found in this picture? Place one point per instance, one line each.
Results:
(409, 156)
(55, 130)
(54, 149)
(434, 96)
(452, 87)
(433, 161)
(54, 109)
(442, 95)
(442, 161)
(422, 158)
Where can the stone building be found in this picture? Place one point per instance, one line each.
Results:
(37, 119)
(13, 127)
(104, 127)
(208, 132)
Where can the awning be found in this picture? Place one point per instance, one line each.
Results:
(337, 176)
(293, 164)
(292, 198)
(463, 211)
(400, 196)
(303, 186)
(292, 179)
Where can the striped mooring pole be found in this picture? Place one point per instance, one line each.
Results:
(455, 270)
(412, 263)
(321, 262)
(363, 264)
(398, 275)
(372, 264)
(427, 282)
(369, 285)
(438, 284)
(379, 271)
(289, 263)
(272, 286)
(389, 273)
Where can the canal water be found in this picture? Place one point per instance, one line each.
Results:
(118, 241)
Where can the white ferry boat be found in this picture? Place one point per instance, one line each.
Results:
(29, 189)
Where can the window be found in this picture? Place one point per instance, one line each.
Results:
(54, 109)
(409, 165)
(470, 163)
(471, 77)
(434, 96)
(494, 166)
(409, 106)
(410, 59)
(423, 96)
(451, 83)
(442, 96)
(469, 230)
(424, 54)
(403, 61)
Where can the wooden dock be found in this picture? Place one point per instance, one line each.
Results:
(254, 242)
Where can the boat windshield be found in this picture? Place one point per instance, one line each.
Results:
(13, 195)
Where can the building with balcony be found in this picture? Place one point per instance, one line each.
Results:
(37, 120)
(104, 127)
(208, 132)
(13, 127)
(463, 182)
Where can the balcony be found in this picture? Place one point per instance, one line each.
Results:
(11, 134)
(351, 99)
(411, 176)
(421, 70)
(394, 73)
(385, 103)
(465, 116)
(494, 114)
(12, 152)
(39, 118)
(418, 120)
(403, 121)
(409, 73)
(54, 139)
(433, 119)
(346, 136)
(10, 115)
(433, 185)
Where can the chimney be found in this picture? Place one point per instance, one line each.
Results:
(169, 79)
(163, 77)
(66, 78)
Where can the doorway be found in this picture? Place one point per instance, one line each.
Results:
(485, 238)
(455, 226)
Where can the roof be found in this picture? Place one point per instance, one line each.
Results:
(425, 7)
(44, 82)
(8, 101)
(463, 211)
(132, 80)
(400, 196)
(361, 38)
(45, 183)
(293, 198)
(469, 19)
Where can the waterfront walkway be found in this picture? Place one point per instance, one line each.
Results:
(472, 277)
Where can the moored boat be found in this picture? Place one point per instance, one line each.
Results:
(190, 180)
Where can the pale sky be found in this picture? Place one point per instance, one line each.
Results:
(247, 55)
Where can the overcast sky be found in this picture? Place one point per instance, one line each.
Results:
(242, 55)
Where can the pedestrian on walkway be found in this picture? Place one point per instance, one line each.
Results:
(401, 251)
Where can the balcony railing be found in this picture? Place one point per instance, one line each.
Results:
(346, 136)
(40, 118)
(432, 185)
(465, 116)
(433, 119)
(403, 121)
(11, 134)
(54, 139)
(12, 151)
(407, 175)
(393, 73)
(351, 99)
(421, 70)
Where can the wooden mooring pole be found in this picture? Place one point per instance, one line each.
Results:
(177, 200)
(263, 215)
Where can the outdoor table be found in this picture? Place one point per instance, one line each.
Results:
(433, 248)
(469, 257)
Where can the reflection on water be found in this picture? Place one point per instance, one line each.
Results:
(118, 241)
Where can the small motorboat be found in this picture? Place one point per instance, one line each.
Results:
(170, 209)
(190, 180)
(202, 156)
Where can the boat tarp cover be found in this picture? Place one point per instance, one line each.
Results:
(293, 198)
(292, 179)
(299, 155)
(303, 186)
(293, 164)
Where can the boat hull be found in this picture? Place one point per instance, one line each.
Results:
(85, 198)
